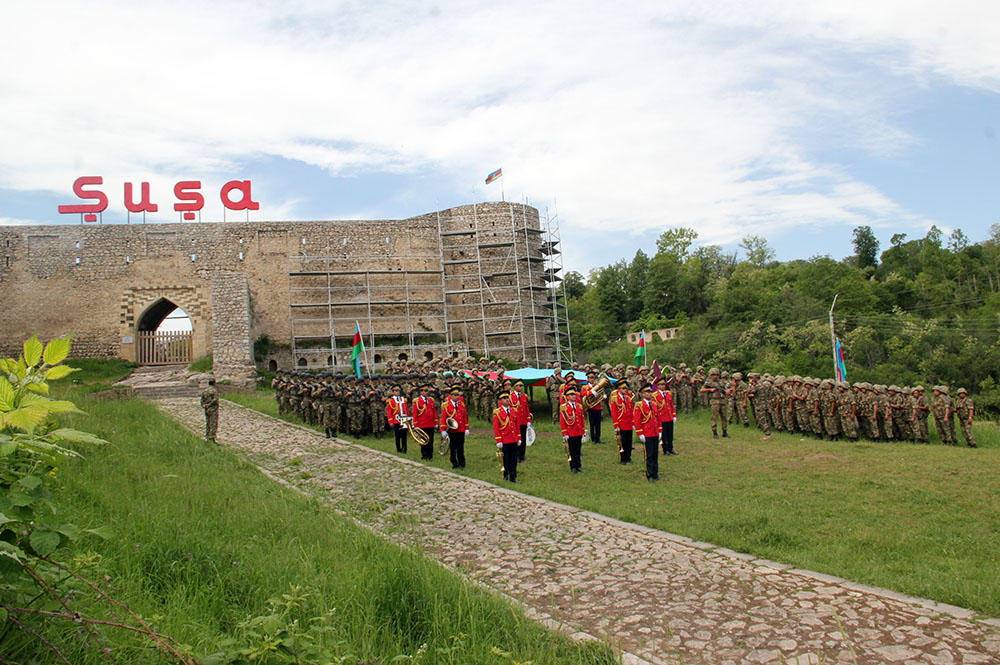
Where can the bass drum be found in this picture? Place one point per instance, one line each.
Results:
(529, 435)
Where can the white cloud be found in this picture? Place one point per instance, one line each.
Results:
(639, 117)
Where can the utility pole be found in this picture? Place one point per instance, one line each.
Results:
(833, 340)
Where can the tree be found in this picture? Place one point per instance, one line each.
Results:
(574, 285)
(757, 251)
(958, 241)
(675, 243)
(865, 247)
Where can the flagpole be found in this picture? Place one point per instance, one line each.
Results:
(833, 339)
(368, 368)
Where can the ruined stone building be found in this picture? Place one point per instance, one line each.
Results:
(472, 279)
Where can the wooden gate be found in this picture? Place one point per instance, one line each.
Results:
(164, 348)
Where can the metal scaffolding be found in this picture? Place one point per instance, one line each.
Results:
(557, 290)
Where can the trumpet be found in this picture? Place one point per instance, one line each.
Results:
(500, 458)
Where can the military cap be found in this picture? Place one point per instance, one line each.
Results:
(455, 389)
(646, 386)
(753, 375)
(961, 391)
(894, 388)
(918, 389)
(738, 375)
(504, 393)
(713, 372)
(571, 389)
(944, 389)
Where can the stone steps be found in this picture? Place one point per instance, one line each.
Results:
(166, 391)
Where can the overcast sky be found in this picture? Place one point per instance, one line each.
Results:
(792, 120)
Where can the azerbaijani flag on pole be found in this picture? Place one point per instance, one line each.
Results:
(640, 352)
(493, 176)
(356, 350)
(839, 360)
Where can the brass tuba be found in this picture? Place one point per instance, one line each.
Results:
(417, 434)
(594, 399)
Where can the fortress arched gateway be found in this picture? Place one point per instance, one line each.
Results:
(471, 279)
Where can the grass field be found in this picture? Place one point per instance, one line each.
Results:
(921, 519)
(202, 541)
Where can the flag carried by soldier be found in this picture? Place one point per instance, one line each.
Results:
(640, 351)
(358, 347)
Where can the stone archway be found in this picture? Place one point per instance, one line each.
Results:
(156, 347)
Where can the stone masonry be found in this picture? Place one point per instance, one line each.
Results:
(440, 284)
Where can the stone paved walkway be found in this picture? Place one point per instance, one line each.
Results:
(659, 596)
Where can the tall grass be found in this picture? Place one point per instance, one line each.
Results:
(202, 540)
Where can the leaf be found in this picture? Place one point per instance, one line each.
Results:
(19, 498)
(7, 446)
(102, 532)
(6, 395)
(7, 365)
(25, 418)
(3, 615)
(39, 388)
(30, 482)
(58, 372)
(62, 406)
(43, 541)
(56, 351)
(4, 519)
(32, 351)
(12, 551)
(71, 531)
(68, 434)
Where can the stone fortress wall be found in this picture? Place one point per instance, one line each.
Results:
(468, 279)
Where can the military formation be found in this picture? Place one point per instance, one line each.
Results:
(806, 406)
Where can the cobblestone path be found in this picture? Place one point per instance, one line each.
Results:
(659, 596)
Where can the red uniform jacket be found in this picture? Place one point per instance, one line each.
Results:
(571, 418)
(394, 410)
(587, 390)
(621, 409)
(505, 427)
(456, 410)
(520, 406)
(646, 418)
(665, 405)
(424, 412)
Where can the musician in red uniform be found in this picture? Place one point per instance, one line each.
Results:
(396, 411)
(570, 380)
(594, 414)
(647, 424)
(425, 417)
(522, 407)
(621, 417)
(665, 405)
(571, 423)
(453, 408)
(508, 435)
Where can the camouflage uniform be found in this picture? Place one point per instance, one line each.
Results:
(828, 409)
(715, 392)
(210, 402)
(845, 409)
(941, 407)
(921, 409)
(965, 409)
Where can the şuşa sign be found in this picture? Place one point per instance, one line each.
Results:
(189, 198)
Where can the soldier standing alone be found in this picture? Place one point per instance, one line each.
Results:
(210, 402)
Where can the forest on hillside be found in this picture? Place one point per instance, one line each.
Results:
(924, 311)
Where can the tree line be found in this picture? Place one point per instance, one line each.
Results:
(924, 311)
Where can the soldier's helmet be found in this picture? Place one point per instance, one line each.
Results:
(894, 388)
(961, 391)
(701, 368)
(737, 376)
(918, 389)
(683, 366)
(944, 389)
(713, 372)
